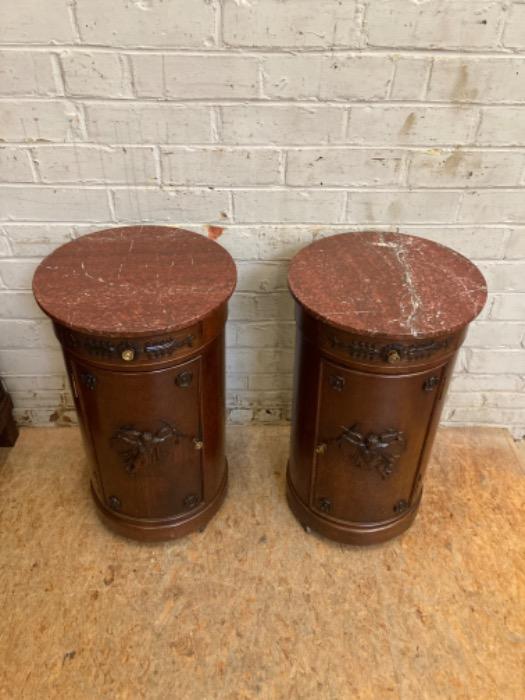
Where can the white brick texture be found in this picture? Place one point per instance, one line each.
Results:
(276, 122)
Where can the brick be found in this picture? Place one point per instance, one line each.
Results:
(438, 24)
(265, 401)
(17, 274)
(495, 416)
(401, 207)
(281, 206)
(93, 164)
(514, 35)
(266, 242)
(282, 242)
(40, 399)
(476, 243)
(501, 126)
(5, 250)
(220, 166)
(425, 126)
(234, 382)
(462, 168)
(516, 245)
(19, 305)
(410, 78)
(281, 124)
(319, 77)
(95, 74)
(294, 23)
(493, 206)
(20, 360)
(133, 122)
(36, 382)
(53, 204)
(147, 23)
(192, 77)
(39, 121)
(496, 361)
(37, 240)
(343, 166)
(269, 382)
(241, 244)
(504, 276)
(477, 80)
(271, 415)
(276, 306)
(261, 276)
(45, 417)
(494, 334)
(240, 416)
(28, 21)
(265, 335)
(262, 360)
(508, 307)
(15, 165)
(486, 382)
(27, 334)
(471, 399)
(171, 205)
(504, 400)
(26, 73)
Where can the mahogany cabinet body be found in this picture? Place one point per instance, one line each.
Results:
(380, 319)
(140, 314)
(151, 412)
(363, 424)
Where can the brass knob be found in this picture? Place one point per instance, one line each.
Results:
(198, 444)
(393, 356)
(128, 354)
(320, 449)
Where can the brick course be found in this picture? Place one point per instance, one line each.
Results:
(279, 121)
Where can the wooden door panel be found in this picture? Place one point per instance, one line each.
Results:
(370, 436)
(146, 429)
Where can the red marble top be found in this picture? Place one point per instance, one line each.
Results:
(134, 281)
(387, 284)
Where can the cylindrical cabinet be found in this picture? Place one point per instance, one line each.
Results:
(380, 319)
(140, 314)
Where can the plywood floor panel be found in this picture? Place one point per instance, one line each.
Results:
(254, 607)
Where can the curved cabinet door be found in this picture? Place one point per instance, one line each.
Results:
(370, 436)
(146, 433)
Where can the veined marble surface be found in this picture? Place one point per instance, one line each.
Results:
(134, 280)
(387, 284)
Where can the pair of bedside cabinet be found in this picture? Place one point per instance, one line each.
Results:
(140, 314)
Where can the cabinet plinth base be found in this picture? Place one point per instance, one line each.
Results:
(165, 529)
(349, 533)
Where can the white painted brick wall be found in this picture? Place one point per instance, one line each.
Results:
(279, 121)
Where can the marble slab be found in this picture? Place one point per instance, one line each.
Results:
(135, 280)
(387, 284)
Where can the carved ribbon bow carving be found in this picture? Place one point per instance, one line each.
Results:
(140, 449)
(379, 451)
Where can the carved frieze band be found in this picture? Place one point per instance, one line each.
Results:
(390, 352)
(127, 349)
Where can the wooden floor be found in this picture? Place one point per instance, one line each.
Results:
(254, 607)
